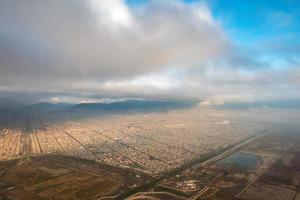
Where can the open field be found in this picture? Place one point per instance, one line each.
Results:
(61, 177)
(282, 179)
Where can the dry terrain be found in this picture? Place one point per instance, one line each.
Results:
(61, 177)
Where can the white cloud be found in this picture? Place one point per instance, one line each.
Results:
(165, 49)
(102, 40)
(55, 99)
(204, 103)
(112, 12)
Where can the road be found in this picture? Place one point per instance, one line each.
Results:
(203, 160)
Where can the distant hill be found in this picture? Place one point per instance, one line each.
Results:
(46, 109)
(32, 111)
(132, 105)
(59, 110)
(45, 106)
(8, 103)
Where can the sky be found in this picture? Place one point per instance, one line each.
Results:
(213, 51)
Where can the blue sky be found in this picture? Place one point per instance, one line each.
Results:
(257, 20)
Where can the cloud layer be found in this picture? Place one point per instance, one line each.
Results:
(95, 49)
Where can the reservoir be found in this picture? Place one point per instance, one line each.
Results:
(245, 161)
